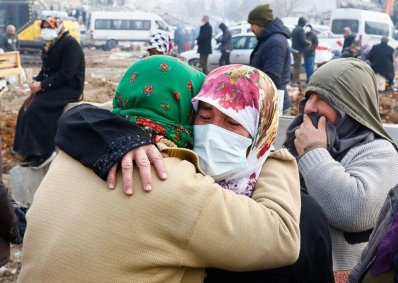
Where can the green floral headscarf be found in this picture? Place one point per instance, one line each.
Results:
(156, 93)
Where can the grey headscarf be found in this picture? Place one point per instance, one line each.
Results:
(341, 136)
(349, 85)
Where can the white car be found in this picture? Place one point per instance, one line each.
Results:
(243, 45)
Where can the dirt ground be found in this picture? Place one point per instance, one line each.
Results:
(103, 72)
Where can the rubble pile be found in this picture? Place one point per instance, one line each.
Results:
(7, 129)
(389, 107)
(9, 273)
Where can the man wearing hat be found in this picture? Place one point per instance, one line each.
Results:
(299, 44)
(349, 38)
(272, 53)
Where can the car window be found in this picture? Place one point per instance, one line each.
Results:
(162, 26)
(252, 42)
(339, 24)
(235, 31)
(239, 42)
(377, 28)
(113, 24)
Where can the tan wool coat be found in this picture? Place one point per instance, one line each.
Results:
(79, 231)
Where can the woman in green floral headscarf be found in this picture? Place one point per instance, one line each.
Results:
(167, 107)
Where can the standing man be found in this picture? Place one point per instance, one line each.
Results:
(8, 41)
(179, 39)
(204, 43)
(381, 58)
(272, 53)
(349, 38)
(299, 43)
(226, 45)
(309, 52)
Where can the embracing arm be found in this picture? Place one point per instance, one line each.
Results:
(255, 233)
(97, 138)
(351, 195)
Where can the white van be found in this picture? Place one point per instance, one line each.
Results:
(123, 29)
(369, 26)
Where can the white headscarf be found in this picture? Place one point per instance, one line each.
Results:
(240, 92)
(159, 40)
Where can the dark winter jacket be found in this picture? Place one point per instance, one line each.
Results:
(9, 230)
(204, 39)
(63, 65)
(8, 43)
(349, 41)
(272, 55)
(299, 43)
(310, 50)
(226, 39)
(381, 57)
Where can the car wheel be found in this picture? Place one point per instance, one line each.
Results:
(195, 63)
(111, 44)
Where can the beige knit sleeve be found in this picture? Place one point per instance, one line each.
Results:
(238, 233)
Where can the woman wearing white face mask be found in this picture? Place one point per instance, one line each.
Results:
(234, 130)
(60, 81)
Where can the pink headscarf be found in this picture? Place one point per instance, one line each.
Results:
(242, 93)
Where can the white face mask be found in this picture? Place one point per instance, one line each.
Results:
(221, 152)
(307, 29)
(48, 34)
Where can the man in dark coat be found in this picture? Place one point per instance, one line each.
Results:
(8, 41)
(204, 43)
(381, 58)
(299, 43)
(226, 45)
(9, 230)
(272, 53)
(60, 81)
(349, 38)
(309, 51)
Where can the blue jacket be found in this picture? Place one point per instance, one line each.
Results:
(272, 55)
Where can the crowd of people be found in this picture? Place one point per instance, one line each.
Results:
(210, 198)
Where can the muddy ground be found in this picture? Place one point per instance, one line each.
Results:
(103, 72)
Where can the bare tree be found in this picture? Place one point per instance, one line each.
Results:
(284, 8)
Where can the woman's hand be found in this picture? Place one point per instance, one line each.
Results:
(143, 156)
(35, 86)
(307, 134)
